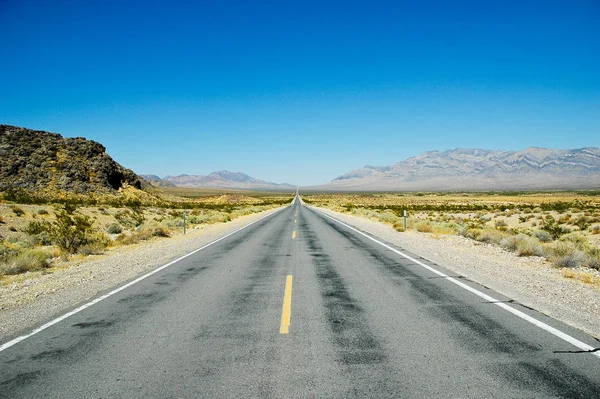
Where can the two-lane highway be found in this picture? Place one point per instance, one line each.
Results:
(299, 305)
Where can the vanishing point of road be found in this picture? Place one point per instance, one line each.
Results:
(299, 305)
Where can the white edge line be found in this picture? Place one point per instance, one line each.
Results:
(564, 336)
(121, 288)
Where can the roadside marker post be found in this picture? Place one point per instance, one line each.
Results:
(184, 223)
(404, 220)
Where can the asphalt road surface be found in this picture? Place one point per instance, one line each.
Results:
(355, 319)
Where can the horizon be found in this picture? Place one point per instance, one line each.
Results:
(301, 94)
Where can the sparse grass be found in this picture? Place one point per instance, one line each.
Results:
(25, 261)
(584, 276)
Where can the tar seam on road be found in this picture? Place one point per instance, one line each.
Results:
(564, 336)
(286, 311)
(117, 290)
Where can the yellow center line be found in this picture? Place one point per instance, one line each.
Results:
(286, 311)
(294, 220)
(293, 234)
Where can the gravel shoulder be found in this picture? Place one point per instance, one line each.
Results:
(531, 281)
(33, 298)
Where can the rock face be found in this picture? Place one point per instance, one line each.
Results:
(40, 161)
(224, 179)
(475, 169)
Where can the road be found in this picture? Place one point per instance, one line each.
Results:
(355, 319)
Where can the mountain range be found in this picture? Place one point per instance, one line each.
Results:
(476, 169)
(219, 179)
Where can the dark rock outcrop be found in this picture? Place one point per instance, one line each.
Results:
(36, 160)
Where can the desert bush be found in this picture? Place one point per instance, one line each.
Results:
(510, 243)
(161, 232)
(94, 248)
(569, 260)
(424, 227)
(565, 254)
(579, 240)
(500, 224)
(25, 261)
(42, 238)
(528, 246)
(595, 229)
(553, 228)
(143, 233)
(491, 236)
(471, 233)
(34, 228)
(114, 229)
(17, 211)
(69, 232)
(582, 222)
(445, 228)
(543, 235)
(398, 226)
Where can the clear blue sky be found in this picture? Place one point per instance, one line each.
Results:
(301, 91)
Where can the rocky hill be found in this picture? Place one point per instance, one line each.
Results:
(224, 179)
(40, 161)
(476, 169)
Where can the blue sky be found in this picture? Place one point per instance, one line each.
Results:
(301, 91)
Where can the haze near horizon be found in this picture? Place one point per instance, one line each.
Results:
(301, 93)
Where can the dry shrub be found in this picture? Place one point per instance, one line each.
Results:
(510, 243)
(144, 233)
(424, 227)
(491, 236)
(28, 260)
(565, 254)
(528, 246)
(445, 228)
(399, 226)
(543, 235)
(91, 249)
(471, 233)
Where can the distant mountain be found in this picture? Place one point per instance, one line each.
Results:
(157, 181)
(35, 160)
(476, 169)
(223, 179)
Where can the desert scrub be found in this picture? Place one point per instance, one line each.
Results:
(542, 235)
(565, 254)
(114, 228)
(69, 232)
(145, 232)
(595, 229)
(398, 226)
(17, 211)
(27, 260)
(424, 227)
(491, 236)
